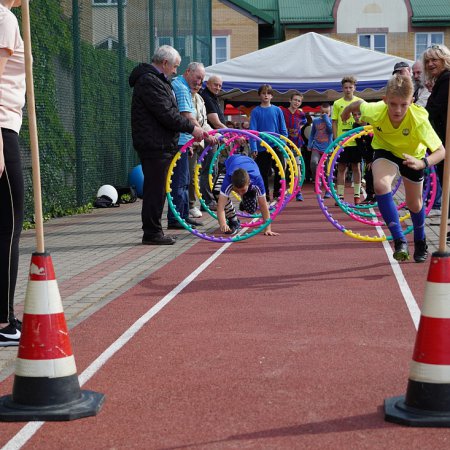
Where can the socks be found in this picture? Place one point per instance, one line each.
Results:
(357, 189)
(418, 220)
(389, 212)
(340, 190)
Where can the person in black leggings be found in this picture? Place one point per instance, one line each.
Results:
(12, 82)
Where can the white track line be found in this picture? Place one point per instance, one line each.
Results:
(27, 432)
(408, 296)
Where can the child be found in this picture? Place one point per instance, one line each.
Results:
(295, 118)
(243, 177)
(350, 155)
(320, 138)
(268, 118)
(401, 135)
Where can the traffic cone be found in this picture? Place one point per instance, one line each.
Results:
(427, 400)
(46, 385)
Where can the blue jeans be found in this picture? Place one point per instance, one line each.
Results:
(180, 189)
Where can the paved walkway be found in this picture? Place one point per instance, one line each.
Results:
(98, 256)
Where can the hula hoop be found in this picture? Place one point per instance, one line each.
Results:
(353, 211)
(259, 225)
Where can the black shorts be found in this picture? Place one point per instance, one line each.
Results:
(416, 176)
(350, 155)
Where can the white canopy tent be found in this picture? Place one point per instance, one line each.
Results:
(312, 64)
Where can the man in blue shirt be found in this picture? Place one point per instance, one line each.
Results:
(182, 85)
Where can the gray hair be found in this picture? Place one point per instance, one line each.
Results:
(165, 52)
(194, 66)
(436, 51)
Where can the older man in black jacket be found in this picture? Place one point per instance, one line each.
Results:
(156, 124)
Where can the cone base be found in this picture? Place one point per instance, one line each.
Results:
(396, 411)
(88, 404)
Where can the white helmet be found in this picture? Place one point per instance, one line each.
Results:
(109, 191)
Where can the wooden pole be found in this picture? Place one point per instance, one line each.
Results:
(40, 247)
(446, 185)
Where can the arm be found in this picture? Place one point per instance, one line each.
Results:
(334, 128)
(348, 110)
(222, 201)
(213, 119)
(417, 164)
(311, 136)
(262, 202)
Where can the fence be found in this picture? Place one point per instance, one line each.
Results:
(83, 52)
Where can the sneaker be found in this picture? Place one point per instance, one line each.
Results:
(194, 223)
(356, 200)
(434, 213)
(420, 251)
(10, 335)
(327, 195)
(369, 199)
(401, 252)
(195, 213)
(234, 225)
(341, 199)
(299, 197)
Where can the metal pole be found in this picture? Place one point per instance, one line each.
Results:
(78, 126)
(122, 89)
(151, 27)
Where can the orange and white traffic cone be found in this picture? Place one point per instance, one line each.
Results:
(46, 385)
(427, 399)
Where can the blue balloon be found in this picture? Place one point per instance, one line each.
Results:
(136, 179)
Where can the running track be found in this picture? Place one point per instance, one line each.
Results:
(289, 342)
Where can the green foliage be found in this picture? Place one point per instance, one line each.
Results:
(100, 151)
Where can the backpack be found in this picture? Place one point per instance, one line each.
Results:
(127, 194)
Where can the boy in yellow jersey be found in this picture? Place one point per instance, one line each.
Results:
(351, 154)
(401, 135)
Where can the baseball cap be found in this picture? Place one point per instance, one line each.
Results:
(399, 66)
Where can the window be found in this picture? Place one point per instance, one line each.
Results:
(220, 49)
(425, 40)
(108, 44)
(375, 42)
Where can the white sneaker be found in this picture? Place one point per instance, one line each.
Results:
(434, 213)
(195, 213)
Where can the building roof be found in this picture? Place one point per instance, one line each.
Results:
(307, 13)
(430, 13)
(254, 10)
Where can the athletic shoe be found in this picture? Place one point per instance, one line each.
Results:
(341, 198)
(327, 195)
(10, 335)
(420, 251)
(234, 225)
(195, 223)
(357, 200)
(299, 197)
(401, 252)
(434, 213)
(369, 199)
(195, 213)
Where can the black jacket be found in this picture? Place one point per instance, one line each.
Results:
(156, 122)
(437, 105)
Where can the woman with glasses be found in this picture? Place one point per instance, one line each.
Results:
(436, 65)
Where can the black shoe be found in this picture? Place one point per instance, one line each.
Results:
(420, 251)
(194, 223)
(401, 252)
(234, 225)
(177, 226)
(10, 335)
(159, 240)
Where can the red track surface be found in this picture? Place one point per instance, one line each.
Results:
(288, 342)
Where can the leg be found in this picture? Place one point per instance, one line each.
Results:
(264, 163)
(180, 189)
(11, 222)
(204, 177)
(154, 195)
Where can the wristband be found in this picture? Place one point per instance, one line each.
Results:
(425, 160)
